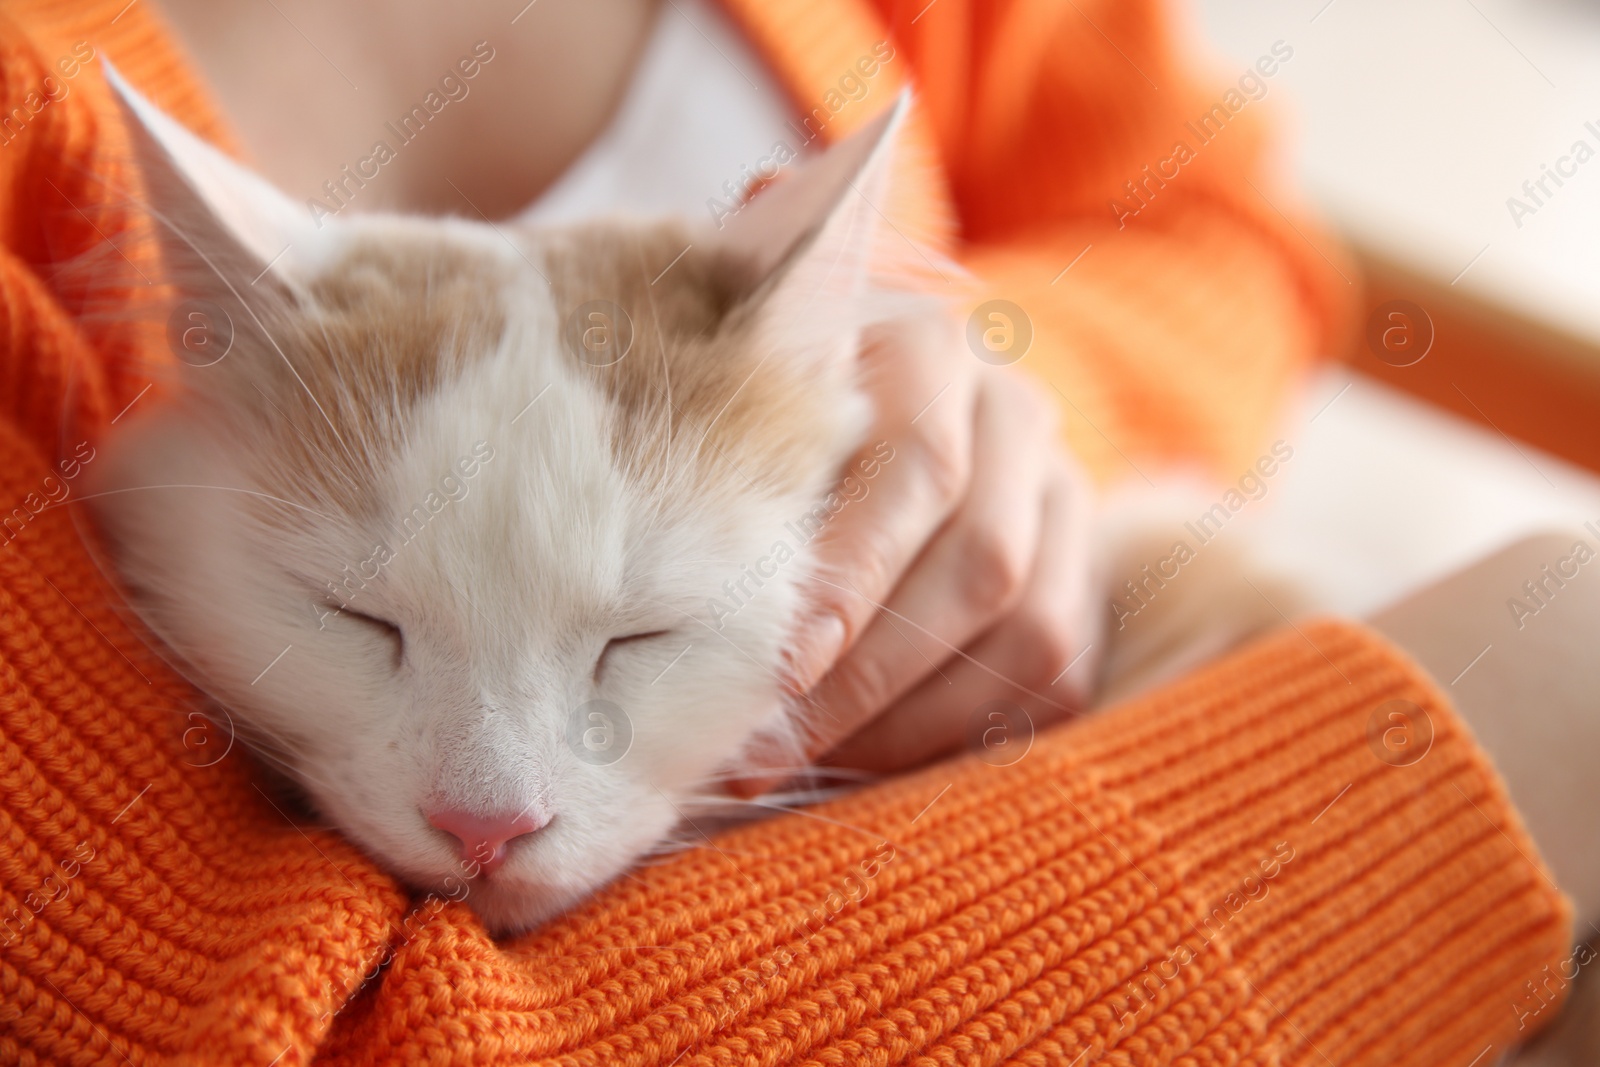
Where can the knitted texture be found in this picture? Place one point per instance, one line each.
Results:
(1227, 871)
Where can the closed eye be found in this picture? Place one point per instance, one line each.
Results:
(621, 645)
(382, 628)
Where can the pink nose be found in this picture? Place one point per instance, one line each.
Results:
(481, 839)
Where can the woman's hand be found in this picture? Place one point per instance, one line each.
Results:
(962, 577)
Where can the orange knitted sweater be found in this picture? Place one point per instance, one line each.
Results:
(1227, 871)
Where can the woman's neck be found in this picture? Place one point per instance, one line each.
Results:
(312, 88)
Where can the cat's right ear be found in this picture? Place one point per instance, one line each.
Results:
(224, 231)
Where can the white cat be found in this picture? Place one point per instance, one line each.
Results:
(436, 508)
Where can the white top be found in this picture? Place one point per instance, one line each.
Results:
(1426, 126)
(701, 109)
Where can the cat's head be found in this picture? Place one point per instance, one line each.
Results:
(480, 530)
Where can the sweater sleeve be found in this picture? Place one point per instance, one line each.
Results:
(1172, 288)
(1062, 152)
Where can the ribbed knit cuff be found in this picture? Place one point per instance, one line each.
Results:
(1349, 849)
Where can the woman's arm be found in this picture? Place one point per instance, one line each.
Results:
(1515, 640)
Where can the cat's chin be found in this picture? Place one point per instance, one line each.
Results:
(508, 905)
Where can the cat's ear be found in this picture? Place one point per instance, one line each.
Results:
(811, 244)
(221, 227)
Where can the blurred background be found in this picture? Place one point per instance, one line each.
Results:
(1413, 123)
(1410, 127)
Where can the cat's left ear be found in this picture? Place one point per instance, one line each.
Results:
(807, 248)
(221, 226)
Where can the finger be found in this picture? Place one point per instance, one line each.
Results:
(924, 408)
(1041, 657)
(968, 578)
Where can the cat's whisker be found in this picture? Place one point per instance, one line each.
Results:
(129, 200)
(661, 343)
(336, 362)
(806, 813)
(296, 773)
(739, 774)
(273, 746)
(665, 852)
(949, 647)
(219, 488)
(251, 311)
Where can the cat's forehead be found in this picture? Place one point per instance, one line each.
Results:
(693, 363)
(421, 321)
(390, 320)
(398, 315)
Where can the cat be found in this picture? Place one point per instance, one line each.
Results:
(435, 507)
